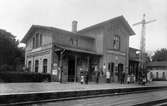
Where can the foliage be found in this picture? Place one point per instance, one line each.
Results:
(6, 67)
(11, 56)
(160, 55)
(147, 58)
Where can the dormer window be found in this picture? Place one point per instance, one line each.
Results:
(74, 42)
(37, 40)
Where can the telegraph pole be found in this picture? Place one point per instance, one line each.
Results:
(143, 39)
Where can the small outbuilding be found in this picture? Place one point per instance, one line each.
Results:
(157, 70)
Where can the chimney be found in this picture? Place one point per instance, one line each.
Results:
(74, 26)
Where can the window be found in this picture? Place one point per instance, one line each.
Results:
(37, 40)
(36, 65)
(33, 42)
(74, 42)
(163, 76)
(116, 43)
(40, 40)
(29, 66)
(109, 66)
(151, 75)
(45, 66)
(157, 76)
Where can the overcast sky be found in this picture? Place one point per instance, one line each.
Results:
(17, 16)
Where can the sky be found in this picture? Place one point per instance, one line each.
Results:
(17, 16)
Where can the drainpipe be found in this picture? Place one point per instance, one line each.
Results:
(75, 69)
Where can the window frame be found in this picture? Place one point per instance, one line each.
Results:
(33, 43)
(37, 40)
(29, 65)
(74, 42)
(163, 75)
(40, 39)
(117, 42)
(45, 65)
(157, 75)
(36, 65)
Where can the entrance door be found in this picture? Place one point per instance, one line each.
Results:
(120, 71)
(111, 69)
(71, 69)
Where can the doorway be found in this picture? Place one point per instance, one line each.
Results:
(120, 71)
(71, 69)
(111, 69)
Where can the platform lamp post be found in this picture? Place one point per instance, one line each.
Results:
(60, 52)
(60, 68)
(61, 64)
(138, 68)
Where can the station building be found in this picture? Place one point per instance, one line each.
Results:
(102, 47)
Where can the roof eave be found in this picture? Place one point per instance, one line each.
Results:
(131, 32)
(26, 35)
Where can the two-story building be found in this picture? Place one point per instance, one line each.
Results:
(104, 46)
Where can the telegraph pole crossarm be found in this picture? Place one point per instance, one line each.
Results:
(150, 21)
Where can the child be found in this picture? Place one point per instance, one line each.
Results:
(128, 79)
(108, 77)
(82, 78)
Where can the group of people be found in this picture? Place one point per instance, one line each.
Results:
(84, 77)
(97, 72)
(122, 78)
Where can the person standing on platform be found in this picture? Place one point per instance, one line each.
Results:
(128, 79)
(104, 69)
(123, 77)
(107, 76)
(86, 75)
(82, 78)
(97, 74)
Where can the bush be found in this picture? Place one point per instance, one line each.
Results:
(5, 67)
(24, 77)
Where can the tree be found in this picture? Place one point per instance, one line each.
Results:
(160, 55)
(147, 57)
(10, 54)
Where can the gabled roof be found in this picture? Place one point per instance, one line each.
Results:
(121, 18)
(157, 64)
(53, 29)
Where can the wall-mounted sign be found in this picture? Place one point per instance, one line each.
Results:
(55, 72)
